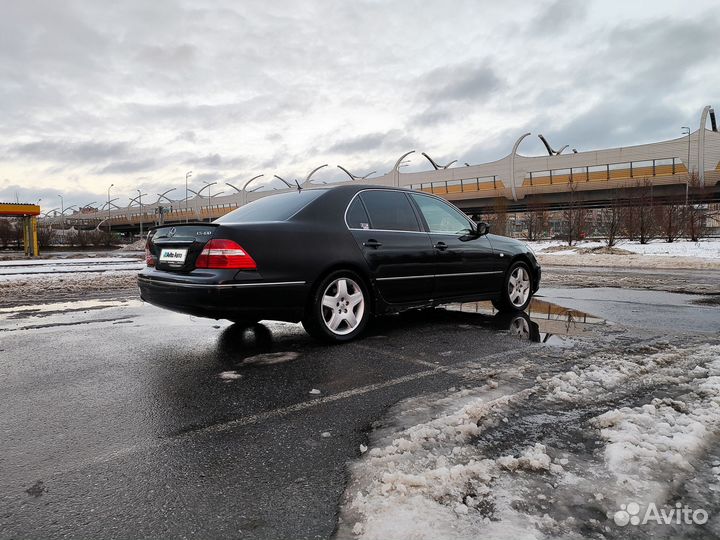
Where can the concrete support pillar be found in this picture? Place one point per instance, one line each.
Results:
(30, 236)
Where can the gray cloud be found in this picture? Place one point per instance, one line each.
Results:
(70, 151)
(558, 15)
(460, 82)
(93, 93)
(391, 140)
(128, 166)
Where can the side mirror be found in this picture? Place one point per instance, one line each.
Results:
(482, 228)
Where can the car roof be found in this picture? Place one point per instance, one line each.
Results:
(354, 188)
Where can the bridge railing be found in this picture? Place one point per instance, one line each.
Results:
(604, 173)
(445, 187)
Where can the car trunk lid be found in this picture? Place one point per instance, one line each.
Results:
(175, 248)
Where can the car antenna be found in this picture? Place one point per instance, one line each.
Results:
(298, 186)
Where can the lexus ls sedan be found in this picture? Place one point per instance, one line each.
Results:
(332, 258)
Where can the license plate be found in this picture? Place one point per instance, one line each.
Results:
(173, 256)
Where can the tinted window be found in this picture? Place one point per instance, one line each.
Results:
(441, 217)
(390, 210)
(272, 208)
(357, 217)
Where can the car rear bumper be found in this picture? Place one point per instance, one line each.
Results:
(283, 300)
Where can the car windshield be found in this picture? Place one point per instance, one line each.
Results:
(273, 207)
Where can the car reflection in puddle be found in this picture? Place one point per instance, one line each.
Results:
(542, 322)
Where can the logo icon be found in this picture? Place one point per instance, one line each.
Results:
(628, 513)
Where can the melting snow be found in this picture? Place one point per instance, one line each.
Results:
(436, 478)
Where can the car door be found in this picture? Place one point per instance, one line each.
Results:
(398, 252)
(465, 263)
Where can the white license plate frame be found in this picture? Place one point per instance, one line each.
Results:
(173, 256)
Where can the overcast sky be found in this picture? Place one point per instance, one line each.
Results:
(135, 93)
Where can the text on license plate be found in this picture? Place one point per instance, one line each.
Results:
(173, 256)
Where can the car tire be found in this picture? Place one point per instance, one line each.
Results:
(339, 308)
(517, 289)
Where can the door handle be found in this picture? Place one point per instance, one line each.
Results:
(442, 246)
(372, 244)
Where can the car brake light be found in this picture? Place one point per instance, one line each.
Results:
(149, 257)
(225, 254)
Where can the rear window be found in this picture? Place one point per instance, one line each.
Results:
(273, 207)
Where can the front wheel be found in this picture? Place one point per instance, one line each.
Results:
(339, 309)
(517, 289)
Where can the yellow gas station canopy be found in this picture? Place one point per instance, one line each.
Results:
(19, 210)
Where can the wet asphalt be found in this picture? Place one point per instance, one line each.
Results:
(120, 420)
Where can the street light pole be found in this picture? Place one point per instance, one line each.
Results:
(207, 186)
(187, 175)
(109, 224)
(687, 181)
(142, 216)
(62, 212)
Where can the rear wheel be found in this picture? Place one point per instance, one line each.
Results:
(339, 308)
(517, 289)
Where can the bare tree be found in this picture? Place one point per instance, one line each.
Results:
(537, 219)
(696, 214)
(610, 222)
(499, 219)
(46, 236)
(645, 214)
(7, 232)
(574, 218)
(670, 221)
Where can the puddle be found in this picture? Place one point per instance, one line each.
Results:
(542, 322)
(44, 310)
(56, 314)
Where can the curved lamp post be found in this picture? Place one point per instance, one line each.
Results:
(435, 165)
(512, 163)
(353, 176)
(396, 167)
(139, 197)
(163, 195)
(288, 184)
(108, 205)
(316, 169)
(241, 191)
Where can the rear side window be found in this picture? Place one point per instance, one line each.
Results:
(390, 210)
(357, 217)
(273, 207)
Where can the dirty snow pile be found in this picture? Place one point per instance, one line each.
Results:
(704, 249)
(614, 428)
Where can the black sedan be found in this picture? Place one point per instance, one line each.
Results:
(332, 258)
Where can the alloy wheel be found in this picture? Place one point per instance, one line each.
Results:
(343, 306)
(519, 286)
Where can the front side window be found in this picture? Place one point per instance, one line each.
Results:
(441, 217)
(390, 210)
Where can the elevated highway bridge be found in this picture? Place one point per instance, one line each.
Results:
(591, 179)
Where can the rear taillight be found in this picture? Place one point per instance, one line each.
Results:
(149, 257)
(225, 254)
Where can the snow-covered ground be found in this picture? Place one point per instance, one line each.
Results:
(9, 269)
(705, 249)
(575, 453)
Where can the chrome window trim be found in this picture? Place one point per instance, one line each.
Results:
(378, 230)
(407, 192)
